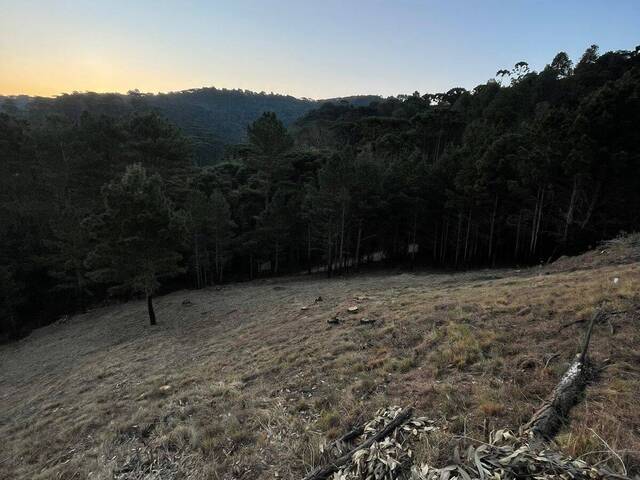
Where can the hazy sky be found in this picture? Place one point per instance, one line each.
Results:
(312, 48)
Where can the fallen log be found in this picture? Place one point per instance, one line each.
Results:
(547, 420)
(323, 472)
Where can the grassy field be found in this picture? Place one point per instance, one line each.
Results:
(241, 382)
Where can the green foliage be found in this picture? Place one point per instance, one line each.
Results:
(136, 234)
(67, 250)
(269, 136)
(562, 65)
(509, 172)
(211, 119)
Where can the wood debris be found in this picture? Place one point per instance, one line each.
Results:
(384, 451)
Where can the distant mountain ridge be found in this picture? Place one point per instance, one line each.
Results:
(212, 118)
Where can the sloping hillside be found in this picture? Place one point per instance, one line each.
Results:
(246, 381)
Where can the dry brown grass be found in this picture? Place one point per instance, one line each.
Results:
(244, 384)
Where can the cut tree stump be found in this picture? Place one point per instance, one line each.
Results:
(322, 473)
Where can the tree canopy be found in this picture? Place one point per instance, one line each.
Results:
(137, 236)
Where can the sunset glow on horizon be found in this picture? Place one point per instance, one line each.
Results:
(303, 49)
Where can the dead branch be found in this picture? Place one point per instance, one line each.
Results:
(551, 357)
(575, 322)
(347, 437)
(321, 473)
(583, 320)
(548, 419)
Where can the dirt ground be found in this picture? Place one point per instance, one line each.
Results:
(248, 380)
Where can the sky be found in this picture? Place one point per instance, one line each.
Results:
(306, 48)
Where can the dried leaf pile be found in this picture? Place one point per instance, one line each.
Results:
(390, 457)
(506, 456)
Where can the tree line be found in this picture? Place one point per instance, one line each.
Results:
(210, 118)
(522, 169)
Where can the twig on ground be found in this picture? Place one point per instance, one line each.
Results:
(624, 468)
(551, 357)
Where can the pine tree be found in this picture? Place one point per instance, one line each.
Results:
(269, 142)
(221, 231)
(328, 203)
(68, 248)
(137, 236)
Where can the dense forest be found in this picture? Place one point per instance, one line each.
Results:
(101, 201)
(210, 118)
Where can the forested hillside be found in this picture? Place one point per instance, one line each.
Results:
(100, 199)
(210, 118)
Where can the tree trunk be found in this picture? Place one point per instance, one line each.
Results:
(152, 313)
(435, 244)
(534, 222)
(358, 244)
(341, 258)
(217, 260)
(455, 263)
(535, 243)
(492, 228)
(592, 205)
(415, 234)
(277, 262)
(394, 246)
(466, 240)
(476, 241)
(537, 219)
(197, 261)
(572, 203)
(515, 252)
(80, 292)
(309, 248)
(329, 255)
(443, 243)
(437, 153)
(251, 266)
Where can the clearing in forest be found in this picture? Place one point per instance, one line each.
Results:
(248, 380)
